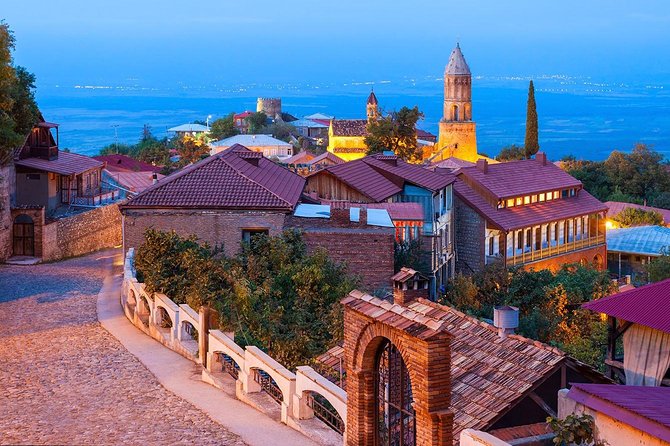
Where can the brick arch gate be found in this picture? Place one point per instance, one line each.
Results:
(424, 346)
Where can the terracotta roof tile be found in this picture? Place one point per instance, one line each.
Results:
(236, 178)
(349, 127)
(66, 163)
(124, 163)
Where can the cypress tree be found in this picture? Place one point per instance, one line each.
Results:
(532, 144)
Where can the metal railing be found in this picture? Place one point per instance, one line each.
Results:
(325, 412)
(229, 366)
(268, 385)
(191, 330)
(544, 253)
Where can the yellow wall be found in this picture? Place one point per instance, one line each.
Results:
(346, 142)
(461, 133)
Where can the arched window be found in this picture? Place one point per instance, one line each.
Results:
(394, 411)
(456, 113)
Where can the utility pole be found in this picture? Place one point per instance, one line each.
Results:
(116, 138)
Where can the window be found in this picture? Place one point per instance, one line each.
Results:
(490, 246)
(541, 198)
(526, 199)
(519, 201)
(555, 195)
(510, 202)
(249, 234)
(564, 193)
(519, 244)
(538, 238)
(549, 196)
(573, 192)
(533, 198)
(528, 237)
(394, 411)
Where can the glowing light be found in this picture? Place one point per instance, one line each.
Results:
(609, 224)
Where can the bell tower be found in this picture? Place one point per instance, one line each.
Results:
(457, 129)
(372, 107)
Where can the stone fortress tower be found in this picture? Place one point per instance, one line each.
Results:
(372, 107)
(457, 135)
(270, 106)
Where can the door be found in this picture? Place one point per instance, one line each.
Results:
(64, 189)
(24, 236)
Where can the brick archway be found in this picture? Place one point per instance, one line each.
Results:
(425, 350)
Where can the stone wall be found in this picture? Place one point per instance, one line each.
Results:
(470, 231)
(82, 233)
(212, 227)
(6, 175)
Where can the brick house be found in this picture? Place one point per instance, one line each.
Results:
(223, 200)
(526, 213)
(389, 179)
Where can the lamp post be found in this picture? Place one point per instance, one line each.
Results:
(207, 121)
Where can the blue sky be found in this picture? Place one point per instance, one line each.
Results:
(168, 42)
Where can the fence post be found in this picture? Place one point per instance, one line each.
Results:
(203, 334)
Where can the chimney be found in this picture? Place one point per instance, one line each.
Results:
(154, 178)
(409, 285)
(339, 216)
(483, 165)
(541, 158)
(506, 320)
(363, 216)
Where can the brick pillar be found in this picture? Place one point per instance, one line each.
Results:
(360, 397)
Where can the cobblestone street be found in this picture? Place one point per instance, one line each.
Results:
(65, 380)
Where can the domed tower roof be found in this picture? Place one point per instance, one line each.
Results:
(457, 64)
(372, 99)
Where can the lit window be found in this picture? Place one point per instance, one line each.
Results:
(533, 198)
(510, 202)
(519, 201)
(526, 199)
(541, 198)
(555, 195)
(549, 196)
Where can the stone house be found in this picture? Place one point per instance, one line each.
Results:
(526, 213)
(388, 179)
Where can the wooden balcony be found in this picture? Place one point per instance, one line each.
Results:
(44, 152)
(96, 197)
(551, 251)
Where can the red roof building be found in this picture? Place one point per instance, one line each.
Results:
(616, 207)
(528, 213)
(222, 200)
(240, 121)
(124, 163)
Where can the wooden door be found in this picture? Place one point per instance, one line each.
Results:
(24, 236)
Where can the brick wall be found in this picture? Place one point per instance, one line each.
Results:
(82, 233)
(212, 227)
(470, 230)
(429, 366)
(367, 250)
(6, 173)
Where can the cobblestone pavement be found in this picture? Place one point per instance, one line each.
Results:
(65, 380)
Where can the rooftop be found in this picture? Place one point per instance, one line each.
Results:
(640, 305)
(516, 178)
(302, 157)
(397, 211)
(250, 141)
(319, 116)
(644, 408)
(135, 181)
(189, 128)
(375, 217)
(66, 164)
(118, 163)
(310, 123)
(615, 207)
(350, 127)
(372, 98)
(236, 178)
(457, 64)
(326, 156)
(641, 240)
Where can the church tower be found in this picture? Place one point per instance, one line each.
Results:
(372, 107)
(457, 129)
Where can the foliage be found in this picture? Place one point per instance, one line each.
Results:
(637, 177)
(511, 153)
(531, 144)
(18, 109)
(396, 132)
(280, 130)
(637, 217)
(548, 303)
(223, 128)
(409, 254)
(273, 294)
(659, 268)
(191, 148)
(256, 121)
(573, 429)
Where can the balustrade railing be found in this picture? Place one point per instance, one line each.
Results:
(268, 385)
(229, 366)
(544, 253)
(325, 412)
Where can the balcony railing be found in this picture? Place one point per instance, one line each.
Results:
(544, 253)
(95, 197)
(45, 152)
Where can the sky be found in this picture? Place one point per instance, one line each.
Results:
(169, 42)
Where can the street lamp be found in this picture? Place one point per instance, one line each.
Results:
(207, 121)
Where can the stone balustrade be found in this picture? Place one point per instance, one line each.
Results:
(250, 369)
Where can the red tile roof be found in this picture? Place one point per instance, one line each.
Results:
(412, 173)
(515, 178)
(372, 98)
(326, 156)
(489, 374)
(350, 127)
(236, 178)
(66, 164)
(644, 408)
(302, 157)
(422, 134)
(397, 211)
(118, 163)
(242, 115)
(135, 181)
(640, 305)
(616, 207)
(517, 217)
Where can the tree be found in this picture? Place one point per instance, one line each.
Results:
(396, 132)
(223, 128)
(511, 153)
(531, 144)
(256, 121)
(638, 217)
(191, 148)
(659, 268)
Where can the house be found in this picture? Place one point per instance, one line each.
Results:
(386, 178)
(127, 175)
(346, 138)
(311, 129)
(353, 235)
(407, 218)
(526, 213)
(630, 250)
(265, 144)
(641, 316)
(452, 372)
(222, 200)
(627, 415)
(304, 163)
(58, 200)
(189, 129)
(124, 163)
(240, 121)
(616, 207)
